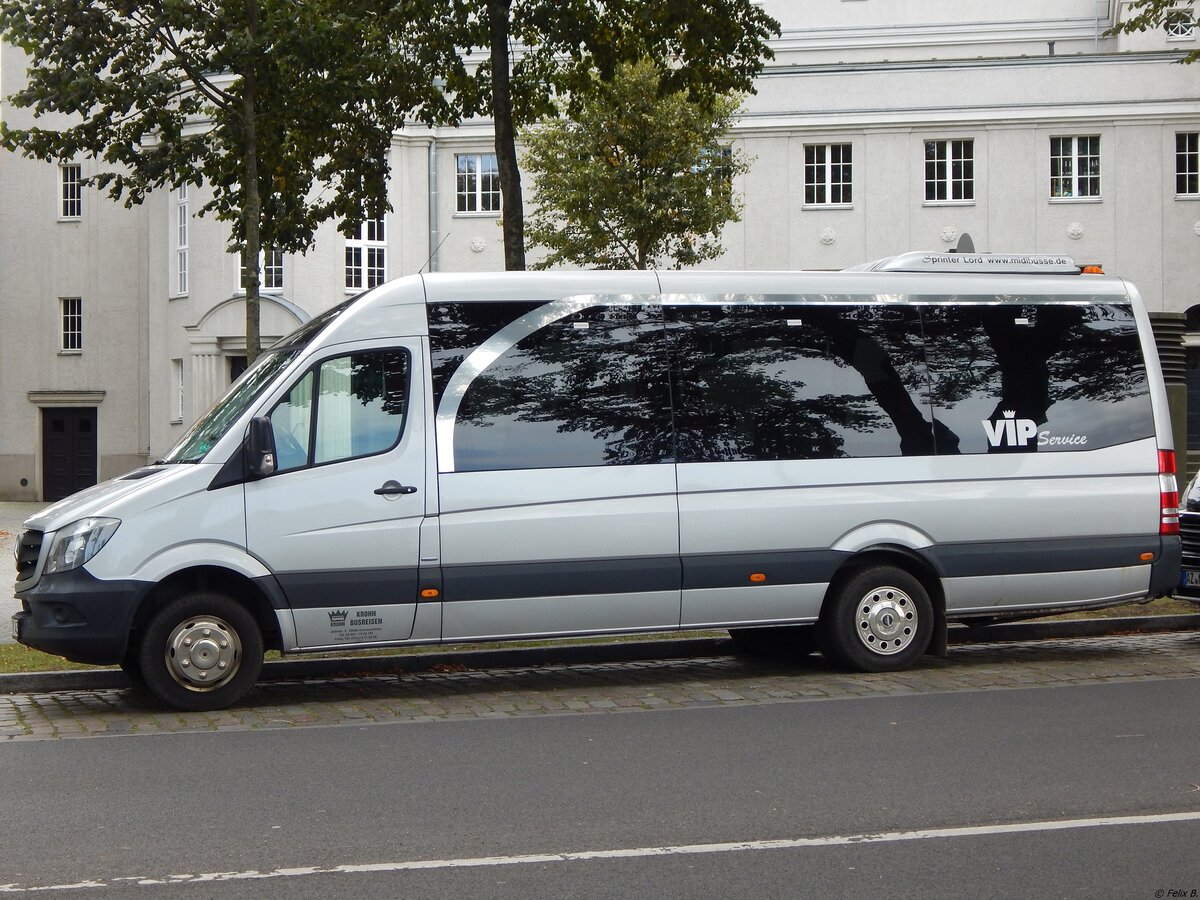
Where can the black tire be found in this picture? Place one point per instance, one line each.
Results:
(200, 652)
(131, 665)
(774, 640)
(879, 619)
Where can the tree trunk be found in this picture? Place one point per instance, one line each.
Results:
(513, 209)
(252, 207)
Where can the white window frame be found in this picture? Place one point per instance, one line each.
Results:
(366, 256)
(176, 390)
(1187, 165)
(71, 324)
(819, 175)
(1180, 25)
(954, 156)
(470, 178)
(270, 272)
(1067, 151)
(182, 227)
(70, 192)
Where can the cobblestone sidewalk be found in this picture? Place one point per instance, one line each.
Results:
(602, 688)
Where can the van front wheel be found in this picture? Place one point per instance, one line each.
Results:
(200, 652)
(878, 620)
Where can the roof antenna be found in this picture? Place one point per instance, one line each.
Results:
(434, 253)
(965, 244)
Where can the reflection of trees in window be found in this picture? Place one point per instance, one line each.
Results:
(382, 377)
(796, 382)
(987, 360)
(783, 381)
(586, 390)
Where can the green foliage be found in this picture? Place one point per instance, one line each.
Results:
(704, 47)
(635, 176)
(159, 93)
(1142, 15)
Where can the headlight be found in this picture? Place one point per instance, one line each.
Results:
(77, 543)
(1191, 495)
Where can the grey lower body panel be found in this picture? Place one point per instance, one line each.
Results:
(992, 594)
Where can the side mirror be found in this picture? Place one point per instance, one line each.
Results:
(260, 447)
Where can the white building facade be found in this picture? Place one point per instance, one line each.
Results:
(880, 126)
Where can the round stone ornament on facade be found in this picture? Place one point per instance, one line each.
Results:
(949, 234)
(827, 236)
(1075, 231)
(478, 245)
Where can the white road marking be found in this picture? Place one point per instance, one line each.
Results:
(884, 837)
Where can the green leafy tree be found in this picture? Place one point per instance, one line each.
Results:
(1142, 15)
(285, 110)
(705, 47)
(635, 176)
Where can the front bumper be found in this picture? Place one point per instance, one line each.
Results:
(77, 616)
(1189, 534)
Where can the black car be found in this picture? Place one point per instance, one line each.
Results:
(1189, 532)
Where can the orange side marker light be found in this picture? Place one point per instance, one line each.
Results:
(757, 577)
(430, 593)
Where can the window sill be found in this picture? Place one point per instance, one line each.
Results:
(486, 214)
(808, 206)
(1187, 197)
(178, 421)
(1057, 200)
(70, 353)
(948, 203)
(177, 297)
(70, 219)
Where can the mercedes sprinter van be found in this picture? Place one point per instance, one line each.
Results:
(477, 457)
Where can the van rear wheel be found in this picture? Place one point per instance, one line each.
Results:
(879, 620)
(200, 652)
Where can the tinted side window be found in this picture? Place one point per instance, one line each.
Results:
(1008, 377)
(552, 386)
(360, 401)
(776, 381)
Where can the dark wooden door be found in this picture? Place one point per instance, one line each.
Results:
(68, 451)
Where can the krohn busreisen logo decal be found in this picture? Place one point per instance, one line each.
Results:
(1013, 432)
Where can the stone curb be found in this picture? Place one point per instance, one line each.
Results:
(578, 654)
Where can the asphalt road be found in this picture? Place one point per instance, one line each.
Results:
(1083, 790)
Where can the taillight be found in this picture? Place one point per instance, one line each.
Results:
(1168, 493)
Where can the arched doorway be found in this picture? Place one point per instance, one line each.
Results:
(217, 343)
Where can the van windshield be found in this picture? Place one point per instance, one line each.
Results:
(211, 426)
(219, 417)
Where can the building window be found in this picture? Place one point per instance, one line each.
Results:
(70, 191)
(478, 182)
(181, 240)
(827, 174)
(177, 390)
(366, 256)
(72, 323)
(270, 271)
(718, 164)
(950, 170)
(1187, 164)
(1075, 167)
(1180, 25)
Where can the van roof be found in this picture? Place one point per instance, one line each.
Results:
(895, 278)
